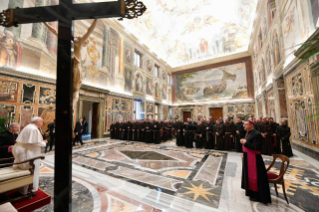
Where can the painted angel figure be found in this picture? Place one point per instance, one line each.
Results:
(79, 42)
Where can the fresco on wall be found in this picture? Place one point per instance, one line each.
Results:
(118, 116)
(139, 85)
(128, 80)
(227, 82)
(164, 92)
(150, 108)
(8, 91)
(290, 28)
(149, 86)
(47, 96)
(188, 31)
(128, 54)
(148, 65)
(10, 50)
(164, 75)
(169, 94)
(301, 120)
(157, 91)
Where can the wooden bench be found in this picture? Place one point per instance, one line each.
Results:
(13, 178)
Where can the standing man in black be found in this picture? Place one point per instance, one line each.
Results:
(209, 144)
(51, 130)
(199, 132)
(7, 140)
(78, 132)
(239, 133)
(254, 174)
(283, 135)
(188, 126)
(273, 126)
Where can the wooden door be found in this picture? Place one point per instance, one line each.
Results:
(187, 115)
(216, 112)
(95, 120)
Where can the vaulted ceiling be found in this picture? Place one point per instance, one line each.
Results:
(182, 32)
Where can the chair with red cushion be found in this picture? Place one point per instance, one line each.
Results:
(279, 179)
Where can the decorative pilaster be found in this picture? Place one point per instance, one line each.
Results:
(13, 4)
(105, 56)
(263, 98)
(39, 30)
(277, 101)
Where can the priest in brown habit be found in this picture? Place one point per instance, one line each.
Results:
(219, 131)
(228, 130)
(265, 130)
(239, 133)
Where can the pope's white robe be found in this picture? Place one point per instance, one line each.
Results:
(28, 145)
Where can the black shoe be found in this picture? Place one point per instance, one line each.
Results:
(33, 194)
(254, 199)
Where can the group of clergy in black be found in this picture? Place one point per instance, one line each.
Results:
(148, 131)
(208, 134)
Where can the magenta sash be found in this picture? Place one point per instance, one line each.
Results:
(252, 169)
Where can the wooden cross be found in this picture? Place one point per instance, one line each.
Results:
(65, 13)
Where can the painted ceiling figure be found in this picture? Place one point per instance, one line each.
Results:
(79, 42)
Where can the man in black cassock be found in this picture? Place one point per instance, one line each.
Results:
(124, 130)
(112, 131)
(218, 131)
(142, 130)
(120, 130)
(148, 132)
(134, 127)
(129, 130)
(257, 124)
(156, 132)
(228, 132)
(165, 130)
(78, 132)
(188, 126)
(117, 130)
(265, 131)
(51, 130)
(7, 140)
(179, 133)
(273, 126)
(239, 133)
(199, 131)
(283, 135)
(254, 174)
(209, 144)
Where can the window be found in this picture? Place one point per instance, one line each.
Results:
(137, 59)
(156, 71)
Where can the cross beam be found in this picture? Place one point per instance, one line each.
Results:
(65, 13)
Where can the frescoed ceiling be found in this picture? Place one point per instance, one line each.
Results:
(187, 31)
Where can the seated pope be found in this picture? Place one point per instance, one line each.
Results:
(28, 145)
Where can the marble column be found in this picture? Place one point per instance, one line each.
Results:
(39, 30)
(13, 4)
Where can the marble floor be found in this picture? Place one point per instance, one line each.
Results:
(113, 176)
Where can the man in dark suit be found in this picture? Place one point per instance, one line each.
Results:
(78, 132)
(7, 140)
(51, 130)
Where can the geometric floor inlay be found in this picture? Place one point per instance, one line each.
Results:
(146, 155)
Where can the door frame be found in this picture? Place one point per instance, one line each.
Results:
(101, 107)
(217, 107)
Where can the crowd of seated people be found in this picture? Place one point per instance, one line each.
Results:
(209, 134)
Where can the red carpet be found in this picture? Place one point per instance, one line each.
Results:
(38, 201)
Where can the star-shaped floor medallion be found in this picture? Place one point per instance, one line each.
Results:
(199, 191)
(217, 154)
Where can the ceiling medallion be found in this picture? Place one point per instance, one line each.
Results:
(133, 9)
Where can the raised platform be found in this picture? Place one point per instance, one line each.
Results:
(28, 205)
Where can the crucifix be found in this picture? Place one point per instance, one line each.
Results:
(65, 13)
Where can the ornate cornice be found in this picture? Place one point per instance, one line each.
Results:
(26, 76)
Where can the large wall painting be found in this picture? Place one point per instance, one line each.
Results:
(227, 82)
(10, 50)
(301, 120)
(139, 85)
(149, 86)
(128, 80)
(128, 54)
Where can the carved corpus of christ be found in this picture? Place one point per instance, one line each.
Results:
(79, 41)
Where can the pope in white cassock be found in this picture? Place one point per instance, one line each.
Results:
(28, 145)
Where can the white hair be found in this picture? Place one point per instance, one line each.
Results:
(36, 119)
(13, 124)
